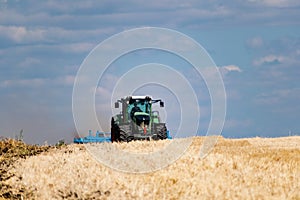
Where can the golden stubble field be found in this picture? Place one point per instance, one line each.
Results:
(255, 168)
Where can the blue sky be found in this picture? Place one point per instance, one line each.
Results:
(255, 44)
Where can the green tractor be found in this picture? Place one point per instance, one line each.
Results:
(137, 121)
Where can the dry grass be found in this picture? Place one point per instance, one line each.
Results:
(10, 152)
(256, 168)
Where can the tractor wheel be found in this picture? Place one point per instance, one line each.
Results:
(161, 131)
(130, 138)
(125, 130)
(155, 137)
(115, 131)
(122, 137)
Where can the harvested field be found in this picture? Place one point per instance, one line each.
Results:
(11, 151)
(256, 168)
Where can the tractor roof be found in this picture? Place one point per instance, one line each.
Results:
(141, 97)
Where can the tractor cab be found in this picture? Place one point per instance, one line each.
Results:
(139, 110)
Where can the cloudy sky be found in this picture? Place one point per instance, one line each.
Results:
(254, 43)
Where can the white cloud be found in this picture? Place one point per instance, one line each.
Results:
(277, 3)
(63, 35)
(213, 12)
(105, 88)
(104, 94)
(21, 34)
(35, 82)
(228, 69)
(232, 68)
(81, 47)
(269, 59)
(67, 80)
(255, 42)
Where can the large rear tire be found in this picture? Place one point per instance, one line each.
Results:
(115, 131)
(161, 131)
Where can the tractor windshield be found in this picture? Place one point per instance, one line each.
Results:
(139, 105)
